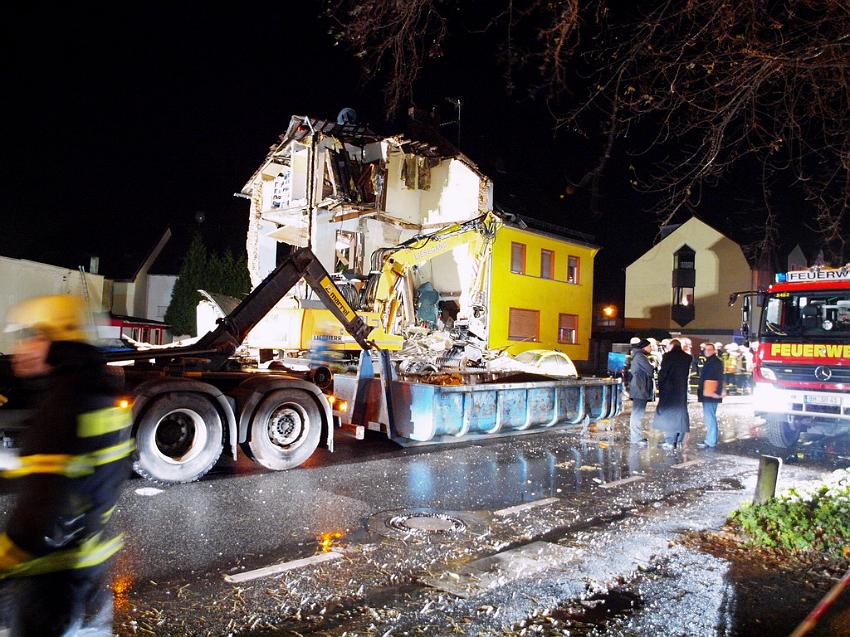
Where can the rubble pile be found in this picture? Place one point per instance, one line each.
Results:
(442, 356)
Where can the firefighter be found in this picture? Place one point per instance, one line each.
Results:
(731, 362)
(696, 369)
(73, 461)
(747, 373)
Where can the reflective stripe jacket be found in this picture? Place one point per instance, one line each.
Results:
(74, 458)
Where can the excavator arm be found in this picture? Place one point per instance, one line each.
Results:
(478, 234)
(219, 344)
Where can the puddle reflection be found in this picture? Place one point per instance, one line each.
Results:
(742, 432)
(510, 476)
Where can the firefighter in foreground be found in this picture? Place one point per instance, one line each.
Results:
(73, 461)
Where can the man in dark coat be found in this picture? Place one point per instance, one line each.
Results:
(671, 416)
(74, 459)
(710, 397)
(641, 389)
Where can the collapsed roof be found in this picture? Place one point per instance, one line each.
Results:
(419, 138)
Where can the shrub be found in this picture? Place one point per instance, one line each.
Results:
(815, 517)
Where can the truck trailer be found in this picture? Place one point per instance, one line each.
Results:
(190, 403)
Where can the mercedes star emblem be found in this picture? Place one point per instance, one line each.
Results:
(823, 373)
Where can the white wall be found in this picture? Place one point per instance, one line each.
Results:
(123, 297)
(159, 288)
(402, 202)
(21, 279)
(453, 195)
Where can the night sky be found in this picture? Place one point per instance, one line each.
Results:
(125, 120)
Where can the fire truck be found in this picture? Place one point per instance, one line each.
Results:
(801, 368)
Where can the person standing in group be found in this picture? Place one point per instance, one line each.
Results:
(671, 415)
(709, 393)
(641, 389)
(74, 459)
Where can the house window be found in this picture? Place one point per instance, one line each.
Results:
(572, 269)
(547, 264)
(683, 296)
(524, 325)
(567, 328)
(684, 281)
(518, 258)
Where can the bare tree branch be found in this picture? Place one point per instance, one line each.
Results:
(709, 82)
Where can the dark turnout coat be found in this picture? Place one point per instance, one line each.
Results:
(74, 459)
(642, 385)
(671, 415)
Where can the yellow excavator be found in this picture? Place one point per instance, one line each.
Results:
(390, 288)
(393, 287)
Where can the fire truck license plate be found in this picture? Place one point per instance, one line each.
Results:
(822, 400)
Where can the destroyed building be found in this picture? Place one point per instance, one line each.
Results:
(357, 198)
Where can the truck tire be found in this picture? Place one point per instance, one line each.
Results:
(781, 433)
(285, 429)
(178, 439)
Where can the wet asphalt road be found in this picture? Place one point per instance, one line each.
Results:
(183, 540)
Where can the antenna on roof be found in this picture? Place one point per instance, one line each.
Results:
(457, 103)
(347, 116)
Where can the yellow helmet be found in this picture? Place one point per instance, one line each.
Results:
(60, 317)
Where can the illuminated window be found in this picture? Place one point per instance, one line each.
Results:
(567, 328)
(524, 325)
(684, 280)
(572, 269)
(518, 258)
(547, 264)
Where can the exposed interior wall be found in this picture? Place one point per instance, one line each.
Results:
(551, 297)
(453, 195)
(299, 164)
(402, 202)
(721, 269)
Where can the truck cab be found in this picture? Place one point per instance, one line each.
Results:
(802, 364)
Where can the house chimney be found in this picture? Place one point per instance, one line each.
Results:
(94, 264)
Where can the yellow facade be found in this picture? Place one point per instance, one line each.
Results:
(549, 298)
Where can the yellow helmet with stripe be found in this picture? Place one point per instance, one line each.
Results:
(60, 317)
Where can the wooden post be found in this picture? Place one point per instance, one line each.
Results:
(768, 475)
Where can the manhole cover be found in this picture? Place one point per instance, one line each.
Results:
(426, 523)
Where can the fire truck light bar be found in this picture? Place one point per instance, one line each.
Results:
(815, 274)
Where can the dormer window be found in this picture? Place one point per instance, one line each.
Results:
(684, 281)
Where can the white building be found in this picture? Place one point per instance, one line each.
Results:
(347, 192)
(683, 282)
(21, 279)
(143, 294)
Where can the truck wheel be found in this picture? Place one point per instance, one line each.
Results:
(179, 438)
(285, 429)
(781, 433)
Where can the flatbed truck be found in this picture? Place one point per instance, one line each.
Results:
(192, 402)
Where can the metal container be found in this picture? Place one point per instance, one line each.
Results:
(426, 413)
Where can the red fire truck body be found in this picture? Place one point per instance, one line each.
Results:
(802, 365)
